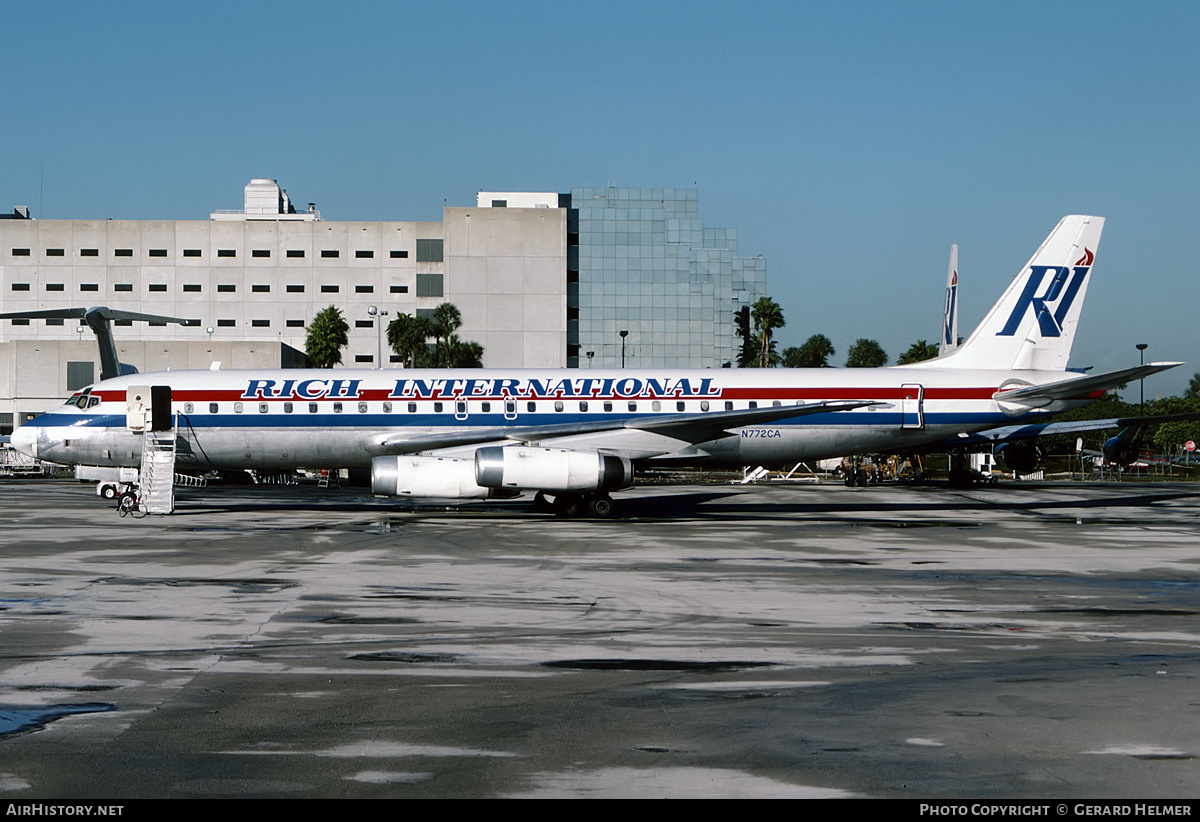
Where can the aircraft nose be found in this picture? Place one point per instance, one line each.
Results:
(24, 439)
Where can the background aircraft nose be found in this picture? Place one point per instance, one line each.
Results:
(24, 439)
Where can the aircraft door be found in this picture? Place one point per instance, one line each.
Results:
(510, 408)
(912, 406)
(460, 409)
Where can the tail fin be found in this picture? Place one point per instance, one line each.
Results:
(1033, 324)
(950, 315)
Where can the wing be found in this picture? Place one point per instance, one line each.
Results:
(637, 438)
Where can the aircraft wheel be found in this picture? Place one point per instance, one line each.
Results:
(861, 476)
(541, 504)
(601, 506)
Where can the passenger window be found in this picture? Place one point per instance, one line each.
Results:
(656, 406)
(583, 405)
(776, 403)
(437, 408)
(531, 406)
(607, 406)
(703, 405)
(187, 408)
(754, 403)
(362, 408)
(728, 405)
(680, 406)
(212, 408)
(287, 408)
(337, 408)
(485, 407)
(460, 407)
(237, 408)
(412, 408)
(312, 408)
(632, 406)
(558, 406)
(387, 408)
(262, 408)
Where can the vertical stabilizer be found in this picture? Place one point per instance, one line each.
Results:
(950, 314)
(1033, 324)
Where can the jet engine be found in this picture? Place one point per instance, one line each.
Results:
(1123, 448)
(551, 469)
(425, 477)
(1021, 457)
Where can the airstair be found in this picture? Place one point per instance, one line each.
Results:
(158, 470)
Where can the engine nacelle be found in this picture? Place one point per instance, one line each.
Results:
(425, 477)
(1020, 457)
(1122, 449)
(551, 469)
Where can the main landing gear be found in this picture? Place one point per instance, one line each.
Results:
(599, 506)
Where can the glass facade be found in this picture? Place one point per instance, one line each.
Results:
(647, 265)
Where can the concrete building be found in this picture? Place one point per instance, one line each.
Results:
(252, 281)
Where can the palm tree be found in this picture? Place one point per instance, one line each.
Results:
(815, 353)
(767, 316)
(327, 335)
(918, 352)
(866, 354)
(407, 336)
(1193, 390)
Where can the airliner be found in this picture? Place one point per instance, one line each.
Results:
(575, 436)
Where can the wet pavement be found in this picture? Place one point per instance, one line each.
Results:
(1029, 641)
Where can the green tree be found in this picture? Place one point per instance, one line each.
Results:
(814, 353)
(1193, 389)
(408, 335)
(918, 352)
(327, 336)
(767, 316)
(747, 355)
(446, 320)
(866, 354)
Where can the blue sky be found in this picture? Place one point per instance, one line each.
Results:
(850, 143)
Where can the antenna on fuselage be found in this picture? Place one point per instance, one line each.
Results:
(99, 318)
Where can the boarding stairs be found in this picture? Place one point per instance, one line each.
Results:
(157, 476)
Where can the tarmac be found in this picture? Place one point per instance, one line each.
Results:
(1014, 641)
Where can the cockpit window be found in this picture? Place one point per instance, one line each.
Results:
(80, 400)
(92, 402)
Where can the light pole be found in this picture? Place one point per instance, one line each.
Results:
(378, 316)
(1141, 347)
(590, 354)
(623, 334)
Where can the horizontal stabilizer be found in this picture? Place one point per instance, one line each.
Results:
(1079, 388)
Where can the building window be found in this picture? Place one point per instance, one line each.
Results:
(260, 252)
(296, 252)
(89, 286)
(157, 252)
(123, 323)
(191, 252)
(226, 252)
(260, 323)
(399, 255)
(158, 286)
(19, 321)
(364, 289)
(295, 289)
(429, 285)
(295, 323)
(227, 288)
(330, 253)
(89, 252)
(364, 255)
(20, 286)
(54, 252)
(20, 252)
(429, 251)
(191, 288)
(499, 203)
(226, 323)
(330, 289)
(55, 287)
(122, 286)
(80, 375)
(154, 324)
(54, 321)
(363, 358)
(398, 289)
(260, 289)
(364, 323)
(122, 252)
